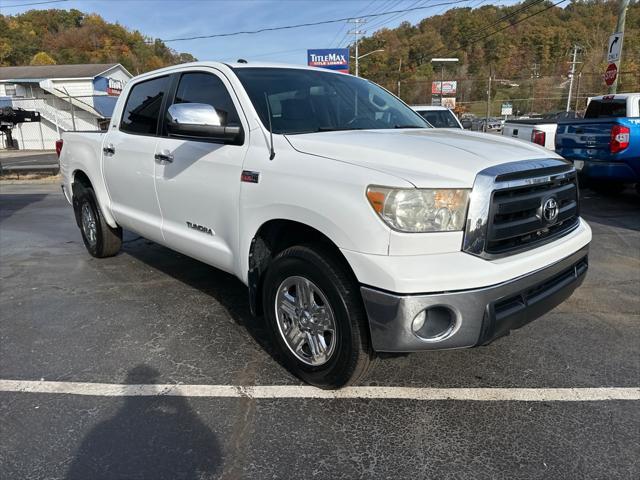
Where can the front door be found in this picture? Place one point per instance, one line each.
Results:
(198, 188)
(128, 160)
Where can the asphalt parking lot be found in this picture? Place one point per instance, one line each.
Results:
(152, 316)
(27, 159)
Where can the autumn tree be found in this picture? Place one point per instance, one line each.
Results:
(42, 58)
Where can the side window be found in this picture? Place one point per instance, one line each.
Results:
(206, 88)
(142, 109)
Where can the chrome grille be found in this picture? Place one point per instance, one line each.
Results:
(515, 197)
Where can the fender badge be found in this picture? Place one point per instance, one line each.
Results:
(200, 228)
(249, 176)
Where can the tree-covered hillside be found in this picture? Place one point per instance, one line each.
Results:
(538, 47)
(525, 47)
(70, 36)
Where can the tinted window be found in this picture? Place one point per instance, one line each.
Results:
(440, 118)
(143, 106)
(606, 108)
(304, 101)
(209, 89)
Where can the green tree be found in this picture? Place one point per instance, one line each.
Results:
(42, 58)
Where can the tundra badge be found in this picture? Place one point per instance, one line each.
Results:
(200, 228)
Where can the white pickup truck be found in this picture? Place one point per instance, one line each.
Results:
(539, 131)
(356, 227)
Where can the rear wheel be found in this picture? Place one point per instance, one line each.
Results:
(315, 313)
(100, 239)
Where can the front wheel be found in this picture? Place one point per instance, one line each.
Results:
(315, 313)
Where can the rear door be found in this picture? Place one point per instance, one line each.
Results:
(199, 188)
(128, 159)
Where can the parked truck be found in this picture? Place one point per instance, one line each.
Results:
(605, 145)
(541, 131)
(356, 227)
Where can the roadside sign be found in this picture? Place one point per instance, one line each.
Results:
(448, 87)
(615, 47)
(610, 74)
(436, 101)
(506, 108)
(449, 102)
(330, 58)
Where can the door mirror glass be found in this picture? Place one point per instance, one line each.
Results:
(200, 120)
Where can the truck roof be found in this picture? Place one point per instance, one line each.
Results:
(234, 65)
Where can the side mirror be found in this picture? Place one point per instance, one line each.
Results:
(202, 121)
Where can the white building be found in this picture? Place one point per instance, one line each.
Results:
(68, 97)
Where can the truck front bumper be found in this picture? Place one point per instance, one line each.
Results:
(467, 318)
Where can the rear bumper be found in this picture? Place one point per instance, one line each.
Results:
(476, 316)
(615, 171)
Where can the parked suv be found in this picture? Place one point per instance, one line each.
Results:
(356, 227)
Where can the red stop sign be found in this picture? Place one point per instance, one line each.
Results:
(611, 74)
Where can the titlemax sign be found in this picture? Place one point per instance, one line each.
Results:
(330, 58)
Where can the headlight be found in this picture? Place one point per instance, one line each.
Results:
(420, 210)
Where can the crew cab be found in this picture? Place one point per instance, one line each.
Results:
(356, 227)
(605, 145)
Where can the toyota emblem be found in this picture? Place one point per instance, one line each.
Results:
(550, 210)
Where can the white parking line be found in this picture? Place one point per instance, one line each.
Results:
(295, 391)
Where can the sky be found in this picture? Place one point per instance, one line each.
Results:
(170, 19)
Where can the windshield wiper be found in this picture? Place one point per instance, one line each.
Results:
(336, 129)
(409, 126)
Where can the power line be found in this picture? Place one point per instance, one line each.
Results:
(471, 40)
(343, 26)
(32, 3)
(309, 24)
(470, 36)
(381, 7)
(381, 22)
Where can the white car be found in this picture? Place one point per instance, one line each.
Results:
(438, 117)
(356, 227)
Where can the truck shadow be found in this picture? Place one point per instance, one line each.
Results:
(10, 204)
(224, 288)
(156, 436)
(621, 211)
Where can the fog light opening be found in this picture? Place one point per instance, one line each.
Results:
(434, 323)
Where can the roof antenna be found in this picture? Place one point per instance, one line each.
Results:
(242, 60)
(272, 152)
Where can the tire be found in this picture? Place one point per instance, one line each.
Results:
(104, 240)
(348, 355)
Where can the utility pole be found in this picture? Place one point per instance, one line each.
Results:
(399, 73)
(356, 32)
(578, 90)
(488, 102)
(622, 14)
(535, 73)
(572, 74)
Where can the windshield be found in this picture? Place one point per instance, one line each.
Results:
(304, 101)
(440, 118)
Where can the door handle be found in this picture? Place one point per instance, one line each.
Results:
(164, 156)
(109, 149)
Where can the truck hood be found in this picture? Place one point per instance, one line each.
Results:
(423, 157)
